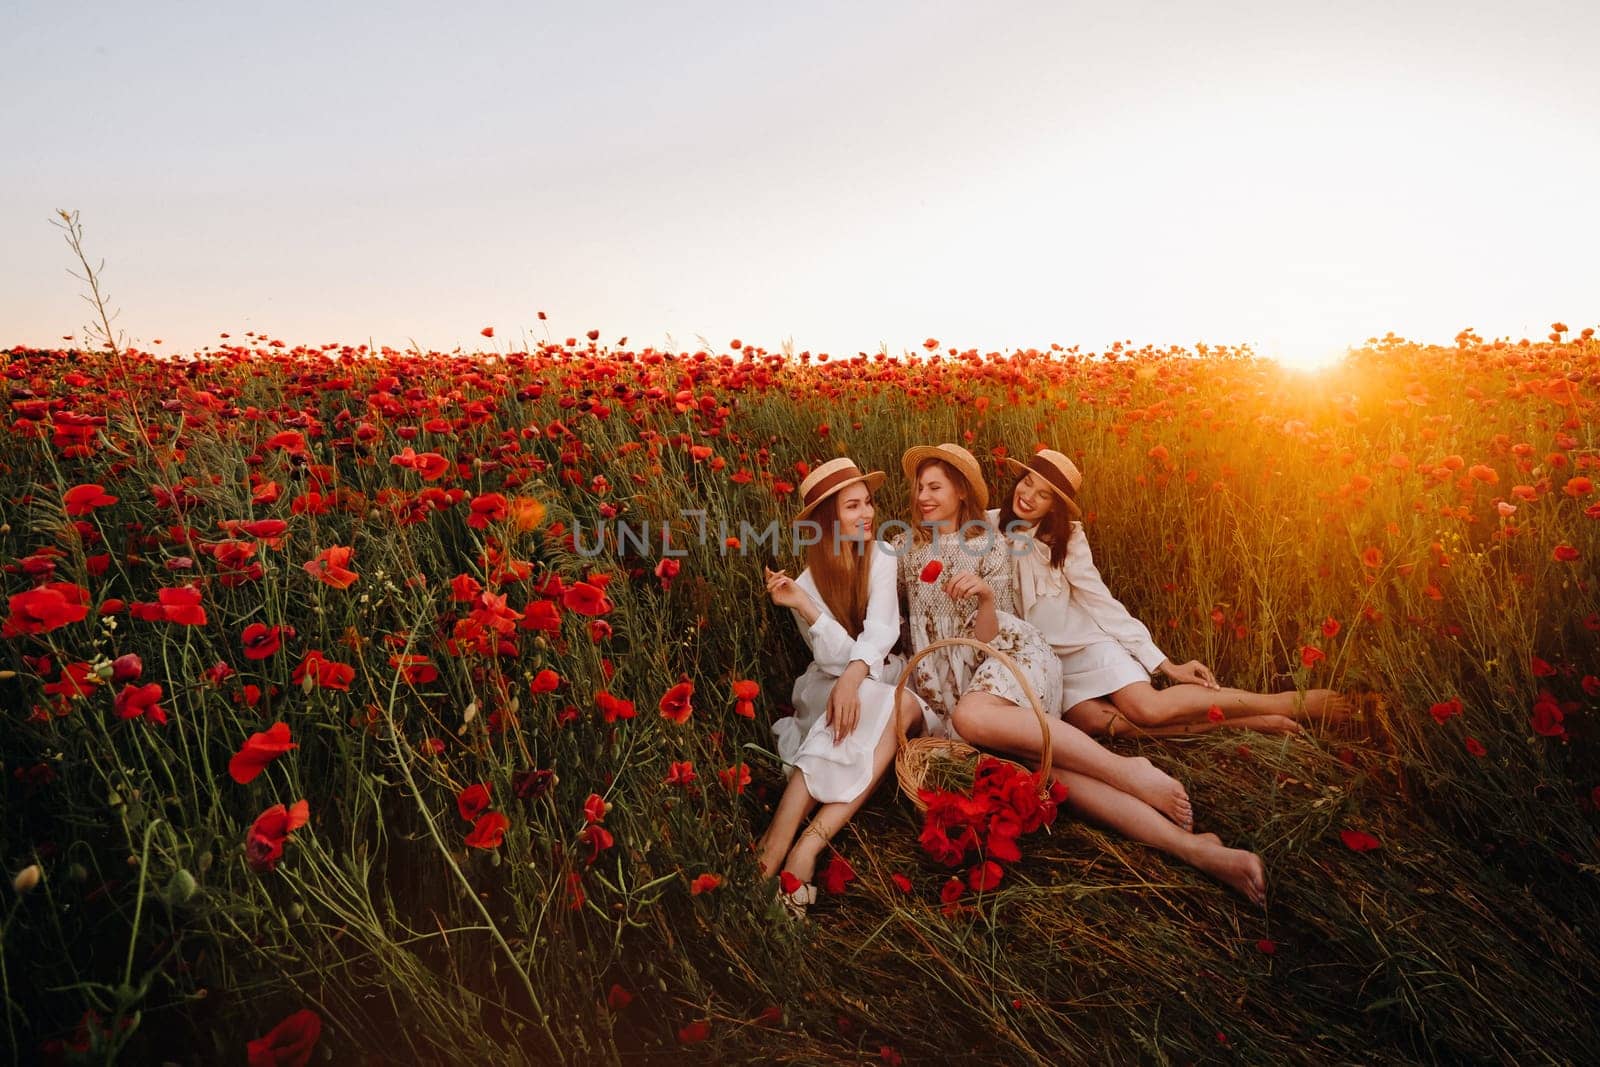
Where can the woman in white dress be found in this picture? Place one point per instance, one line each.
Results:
(1107, 656)
(842, 735)
(984, 703)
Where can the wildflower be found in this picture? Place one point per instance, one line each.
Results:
(744, 695)
(264, 843)
(1359, 840)
(489, 831)
(838, 874)
(259, 750)
(704, 883)
(331, 567)
(46, 608)
(930, 572)
(675, 704)
(83, 499)
(289, 1044)
(473, 801)
(261, 640)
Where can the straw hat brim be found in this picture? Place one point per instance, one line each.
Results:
(916, 455)
(874, 480)
(1020, 469)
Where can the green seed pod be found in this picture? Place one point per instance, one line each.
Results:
(181, 888)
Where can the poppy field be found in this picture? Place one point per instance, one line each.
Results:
(344, 724)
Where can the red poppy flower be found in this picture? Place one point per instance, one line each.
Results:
(263, 845)
(704, 883)
(414, 669)
(694, 1032)
(1310, 656)
(259, 750)
(261, 640)
(1475, 747)
(473, 801)
(789, 881)
(489, 831)
(1443, 712)
(136, 701)
(952, 892)
(83, 499)
(487, 331)
(837, 874)
(180, 605)
(431, 466)
(901, 882)
(985, 876)
(735, 778)
(613, 708)
(323, 673)
(487, 508)
(930, 572)
(1215, 714)
(1565, 553)
(1267, 947)
(618, 998)
(675, 702)
(126, 667)
(289, 1044)
(595, 808)
(1330, 627)
(680, 773)
(1547, 717)
(1372, 556)
(46, 608)
(585, 599)
(331, 566)
(598, 838)
(545, 681)
(744, 695)
(1359, 841)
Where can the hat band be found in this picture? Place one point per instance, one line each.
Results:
(826, 485)
(1051, 474)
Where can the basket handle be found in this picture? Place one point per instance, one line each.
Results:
(1045, 748)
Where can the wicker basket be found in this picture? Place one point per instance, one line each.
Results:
(916, 755)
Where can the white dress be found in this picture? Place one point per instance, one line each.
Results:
(839, 773)
(1102, 647)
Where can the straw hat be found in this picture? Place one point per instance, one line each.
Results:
(958, 458)
(831, 477)
(1059, 473)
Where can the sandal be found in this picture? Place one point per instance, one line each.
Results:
(797, 902)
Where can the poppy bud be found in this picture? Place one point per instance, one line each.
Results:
(181, 887)
(126, 668)
(27, 878)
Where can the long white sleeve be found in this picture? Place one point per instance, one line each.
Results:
(881, 628)
(1089, 592)
(831, 647)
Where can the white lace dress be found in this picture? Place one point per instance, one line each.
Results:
(839, 773)
(942, 677)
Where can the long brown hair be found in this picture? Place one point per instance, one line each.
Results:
(965, 513)
(1055, 525)
(841, 577)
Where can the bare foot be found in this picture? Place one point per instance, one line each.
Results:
(1160, 790)
(1325, 707)
(1275, 724)
(1235, 868)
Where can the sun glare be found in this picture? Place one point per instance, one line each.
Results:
(1304, 355)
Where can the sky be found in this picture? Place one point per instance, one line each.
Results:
(840, 176)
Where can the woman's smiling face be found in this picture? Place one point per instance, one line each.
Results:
(938, 496)
(854, 504)
(1031, 499)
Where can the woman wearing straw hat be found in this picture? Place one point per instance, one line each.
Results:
(1107, 656)
(842, 736)
(955, 572)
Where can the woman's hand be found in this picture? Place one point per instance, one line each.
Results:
(844, 701)
(1192, 673)
(783, 590)
(966, 586)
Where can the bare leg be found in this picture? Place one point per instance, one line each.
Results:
(831, 818)
(1236, 868)
(988, 721)
(1148, 706)
(792, 808)
(1100, 718)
